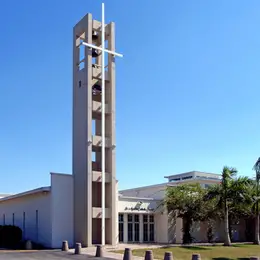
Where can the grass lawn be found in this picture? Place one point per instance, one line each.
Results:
(238, 252)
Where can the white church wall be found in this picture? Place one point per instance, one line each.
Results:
(62, 209)
(161, 228)
(31, 213)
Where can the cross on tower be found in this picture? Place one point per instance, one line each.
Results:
(103, 51)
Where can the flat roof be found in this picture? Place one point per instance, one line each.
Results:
(144, 187)
(165, 184)
(137, 198)
(192, 172)
(26, 193)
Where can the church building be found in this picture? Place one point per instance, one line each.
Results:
(45, 214)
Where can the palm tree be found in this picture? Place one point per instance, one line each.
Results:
(257, 170)
(227, 174)
(230, 192)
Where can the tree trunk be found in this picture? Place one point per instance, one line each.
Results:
(227, 241)
(256, 241)
(187, 224)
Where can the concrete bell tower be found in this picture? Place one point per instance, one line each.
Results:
(87, 134)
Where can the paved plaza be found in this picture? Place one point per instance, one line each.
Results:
(87, 253)
(48, 255)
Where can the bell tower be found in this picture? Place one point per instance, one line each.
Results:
(95, 213)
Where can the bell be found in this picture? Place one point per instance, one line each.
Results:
(94, 35)
(94, 53)
(96, 89)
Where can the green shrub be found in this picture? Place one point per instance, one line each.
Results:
(10, 236)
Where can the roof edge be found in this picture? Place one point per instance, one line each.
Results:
(139, 198)
(176, 174)
(26, 193)
(148, 186)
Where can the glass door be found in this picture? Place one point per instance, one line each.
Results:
(121, 227)
(148, 228)
(133, 232)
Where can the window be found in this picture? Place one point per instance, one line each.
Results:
(3, 219)
(121, 227)
(133, 227)
(148, 228)
(37, 224)
(130, 227)
(130, 218)
(176, 179)
(121, 218)
(130, 232)
(80, 84)
(151, 233)
(145, 232)
(137, 233)
(24, 225)
(137, 237)
(187, 177)
(13, 219)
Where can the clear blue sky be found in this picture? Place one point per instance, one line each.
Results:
(187, 88)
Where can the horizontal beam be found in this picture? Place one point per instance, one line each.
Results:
(100, 49)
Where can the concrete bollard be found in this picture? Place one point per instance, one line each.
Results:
(99, 251)
(168, 256)
(148, 255)
(195, 257)
(128, 254)
(78, 249)
(254, 258)
(28, 245)
(65, 246)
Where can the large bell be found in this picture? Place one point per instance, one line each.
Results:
(94, 53)
(94, 35)
(96, 89)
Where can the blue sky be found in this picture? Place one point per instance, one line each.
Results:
(187, 88)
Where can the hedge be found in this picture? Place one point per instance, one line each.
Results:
(10, 236)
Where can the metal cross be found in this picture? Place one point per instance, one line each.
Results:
(103, 51)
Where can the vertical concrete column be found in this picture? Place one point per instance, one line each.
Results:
(125, 228)
(82, 133)
(111, 133)
(141, 228)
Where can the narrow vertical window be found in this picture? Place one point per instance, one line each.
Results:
(24, 224)
(37, 224)
(3, 219)
(130, 227)
(13, 219)
(121, 228)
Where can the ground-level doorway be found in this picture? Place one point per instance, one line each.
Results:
(135, 228)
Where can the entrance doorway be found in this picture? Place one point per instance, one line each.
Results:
(133, 224)
(148, 227)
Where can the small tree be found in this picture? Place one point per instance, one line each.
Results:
(186, 201)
